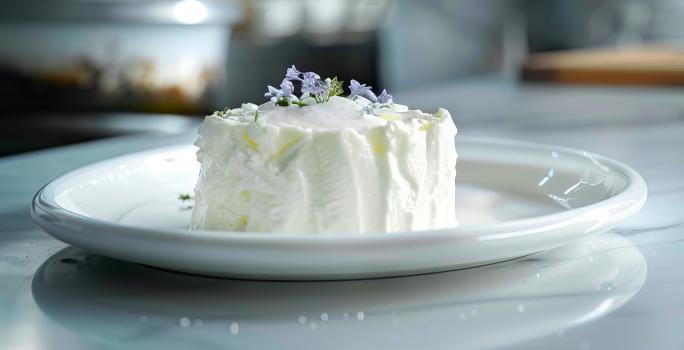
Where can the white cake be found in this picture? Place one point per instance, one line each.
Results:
(343, 166)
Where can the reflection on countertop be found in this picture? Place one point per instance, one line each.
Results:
(133, 306)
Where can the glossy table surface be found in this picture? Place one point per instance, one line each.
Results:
(622, 289)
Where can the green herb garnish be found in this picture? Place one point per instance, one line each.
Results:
(283, 102)
(336, 88)
(222, 113)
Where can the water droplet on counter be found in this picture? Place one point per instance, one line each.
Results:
(607, 287)
(184, 322)
(234, 328)
(360, 316)
(554, 154)
(324, 316)
(462, 316)
(345, 316)
(521, 308)
(313, 326)
(301, 319)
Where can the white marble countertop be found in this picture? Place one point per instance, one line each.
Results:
(619, 290)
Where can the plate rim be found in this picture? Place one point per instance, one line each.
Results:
(631, 199)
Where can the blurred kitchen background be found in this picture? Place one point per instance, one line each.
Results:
(77, 70)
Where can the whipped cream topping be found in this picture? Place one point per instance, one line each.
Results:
(340, 167)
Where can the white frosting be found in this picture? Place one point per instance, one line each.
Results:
(326, 168)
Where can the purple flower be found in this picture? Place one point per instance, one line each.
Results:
(287, 88)
(312, 85)
(293, 74)
(272, 92)
(321, 89)
(358, 89)
(286, 91)
(311, 75)
(385, 97)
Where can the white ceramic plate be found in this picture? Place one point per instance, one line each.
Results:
(513, 199)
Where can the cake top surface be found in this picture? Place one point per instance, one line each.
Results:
(321, 106)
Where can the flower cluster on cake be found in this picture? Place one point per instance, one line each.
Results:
(320, 163)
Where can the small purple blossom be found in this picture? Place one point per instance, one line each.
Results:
(287, 88)
(309, 80)
(319, 89)
(358, 89)
(272, 92)
(311, 84)
(293, 74)
(322, 88)
(385, 97)
(286, 91)
(308, 86)
(311, 75)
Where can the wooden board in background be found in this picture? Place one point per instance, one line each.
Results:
(634, 66)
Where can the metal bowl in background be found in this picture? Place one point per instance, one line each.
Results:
(106, 55)
(79, 70)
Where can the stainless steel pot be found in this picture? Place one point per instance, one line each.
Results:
(148, 56)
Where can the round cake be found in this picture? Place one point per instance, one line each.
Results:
(325, 164)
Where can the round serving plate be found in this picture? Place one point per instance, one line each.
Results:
(513, 199)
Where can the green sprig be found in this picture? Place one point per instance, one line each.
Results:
(283, 102)
(185, 197)
(222, 113)
(336, 88)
